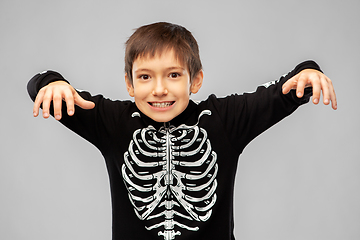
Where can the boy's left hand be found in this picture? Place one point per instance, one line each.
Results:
(315, 79)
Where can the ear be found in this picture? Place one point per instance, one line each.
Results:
(129, 86)
(197, 82)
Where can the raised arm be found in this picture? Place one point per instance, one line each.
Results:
(89, 116)
(249, 114)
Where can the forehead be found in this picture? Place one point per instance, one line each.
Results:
(160, 59)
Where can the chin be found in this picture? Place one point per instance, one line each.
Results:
(161, 118)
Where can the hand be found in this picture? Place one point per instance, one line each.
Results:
(315, 79)
(56, 92)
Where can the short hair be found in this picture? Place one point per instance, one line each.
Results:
(152, 39)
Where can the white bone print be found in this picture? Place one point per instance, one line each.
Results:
(170, 175)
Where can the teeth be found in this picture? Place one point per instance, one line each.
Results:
(161, 105)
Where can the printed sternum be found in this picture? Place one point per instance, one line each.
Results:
(169, 166)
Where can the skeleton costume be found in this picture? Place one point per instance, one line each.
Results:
(175, 180)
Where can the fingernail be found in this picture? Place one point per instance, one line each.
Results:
(299, 94)
(316, 101)
(71, 112)
(58, 117)
(46, 114)
(34, 113)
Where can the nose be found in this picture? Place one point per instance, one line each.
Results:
(160, 88)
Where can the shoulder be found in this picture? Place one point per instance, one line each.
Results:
(221, 105)
(212, 98)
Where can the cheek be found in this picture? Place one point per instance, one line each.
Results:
(182, 90)
(184, 95)
(140, 92)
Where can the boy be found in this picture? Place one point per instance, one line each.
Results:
(171, 161)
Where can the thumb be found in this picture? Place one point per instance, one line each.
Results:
(289, 85)
(84, 104)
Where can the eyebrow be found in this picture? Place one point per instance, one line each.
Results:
(167, 69)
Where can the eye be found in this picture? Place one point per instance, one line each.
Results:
(174, 75)
(144, 77)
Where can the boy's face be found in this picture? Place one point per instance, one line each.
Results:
(161, 86)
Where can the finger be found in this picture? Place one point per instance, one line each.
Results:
(325, 90)
(332, 94)
(301, 86)
(57, 103)
(69, 99)
(289, 84)
(46, 102)
(37, 103)
(316, 91)
(84, 104)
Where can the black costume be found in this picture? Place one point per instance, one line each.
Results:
(175, 180)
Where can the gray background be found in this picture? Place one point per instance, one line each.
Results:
(298, 180)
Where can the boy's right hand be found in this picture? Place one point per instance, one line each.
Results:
(56, 92)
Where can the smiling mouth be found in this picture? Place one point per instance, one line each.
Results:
(161, 104)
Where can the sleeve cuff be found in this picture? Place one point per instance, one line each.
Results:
(309, 64)
(42, 79)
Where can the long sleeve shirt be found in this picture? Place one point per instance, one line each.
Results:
(175, 180)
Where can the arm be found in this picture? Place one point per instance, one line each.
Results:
(248, 115)
(91, 117)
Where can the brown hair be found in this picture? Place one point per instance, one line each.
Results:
(154, 38)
